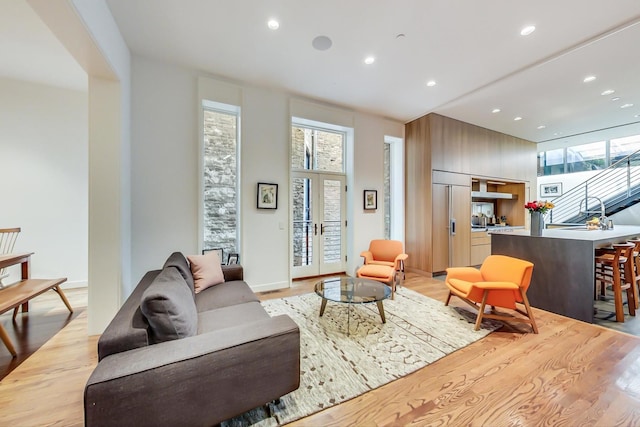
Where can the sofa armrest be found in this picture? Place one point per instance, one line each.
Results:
(232, 272)
(200, 380)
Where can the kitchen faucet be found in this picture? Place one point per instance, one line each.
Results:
(603, 218)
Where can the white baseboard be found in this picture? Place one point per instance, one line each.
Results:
(270, 286)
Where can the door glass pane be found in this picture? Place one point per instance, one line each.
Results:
(331, 234)
(302, 222)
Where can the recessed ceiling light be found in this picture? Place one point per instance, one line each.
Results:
(617, 98)
(607, 92)
(369, 60)
(589, 79)
(495, 110)
(517, 118)
(431, 83)
(273, 24)
(541, 127)
(527, 30)
(626, 105)
(321, 43)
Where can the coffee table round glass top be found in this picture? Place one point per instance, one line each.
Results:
(352, 290)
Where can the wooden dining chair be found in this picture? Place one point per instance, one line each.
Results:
(8, 237)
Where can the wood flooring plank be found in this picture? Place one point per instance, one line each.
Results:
(571, 373)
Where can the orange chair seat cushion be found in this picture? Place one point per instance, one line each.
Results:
(376, 271)
(503, 294)
(378, 262)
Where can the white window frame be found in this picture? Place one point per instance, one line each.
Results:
(396, 226)
(210, 105)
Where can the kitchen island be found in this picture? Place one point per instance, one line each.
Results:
(563, 258)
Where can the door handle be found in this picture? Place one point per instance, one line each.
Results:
(453, 226)
(321, 229)
(315, 229)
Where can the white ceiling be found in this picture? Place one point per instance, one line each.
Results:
(471, 48)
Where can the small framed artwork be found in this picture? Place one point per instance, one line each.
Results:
(551, 190)
(233, 259)
(218, 251)
(267, 196)
(370, 199)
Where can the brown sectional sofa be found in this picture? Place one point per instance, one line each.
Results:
(234, 358)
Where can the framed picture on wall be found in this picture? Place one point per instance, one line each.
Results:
(370, 199)
(267, 196)
(551, 190)
(218, 251)
(233, 259)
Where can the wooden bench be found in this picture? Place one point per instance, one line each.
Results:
(18, 294)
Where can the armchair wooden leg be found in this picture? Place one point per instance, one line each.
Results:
(448, 299)
(529, 312)
(481, 309)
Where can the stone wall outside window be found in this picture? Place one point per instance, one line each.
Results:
(220, 181)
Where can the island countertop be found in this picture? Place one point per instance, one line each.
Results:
(579, 233)
(563, 273)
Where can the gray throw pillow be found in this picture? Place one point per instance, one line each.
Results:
(169, 307)
(178, 260)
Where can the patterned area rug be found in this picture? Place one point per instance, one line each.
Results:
(339, 364)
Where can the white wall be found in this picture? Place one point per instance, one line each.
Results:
(165, 168)
(164, 164)
(44, 167)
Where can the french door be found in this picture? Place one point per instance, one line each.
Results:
(319, 214)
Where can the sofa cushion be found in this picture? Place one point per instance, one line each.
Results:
(178, 261)
(206, 270)
(224, 295)
(227, 317)
(169, 307)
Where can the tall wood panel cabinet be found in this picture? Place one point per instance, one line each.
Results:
(442, 155)
(451, 211)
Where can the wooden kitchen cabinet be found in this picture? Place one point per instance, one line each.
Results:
(451, 226)
(480, 247)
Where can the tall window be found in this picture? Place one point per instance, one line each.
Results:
(393, 168)
(221, 176)
(387, 189)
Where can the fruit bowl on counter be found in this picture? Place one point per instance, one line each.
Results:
(593, 224)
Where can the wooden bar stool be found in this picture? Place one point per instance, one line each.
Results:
(616, 270)
(636, 269)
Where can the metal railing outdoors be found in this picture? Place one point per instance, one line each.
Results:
(612, 188)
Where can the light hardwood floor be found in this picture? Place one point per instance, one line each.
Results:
(572, 374)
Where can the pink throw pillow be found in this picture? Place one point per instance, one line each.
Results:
(206, 270)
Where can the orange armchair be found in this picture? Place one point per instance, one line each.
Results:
(385, 252)
(382, 262)
(502, 281)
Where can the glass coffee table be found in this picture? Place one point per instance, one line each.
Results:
(352, 290)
